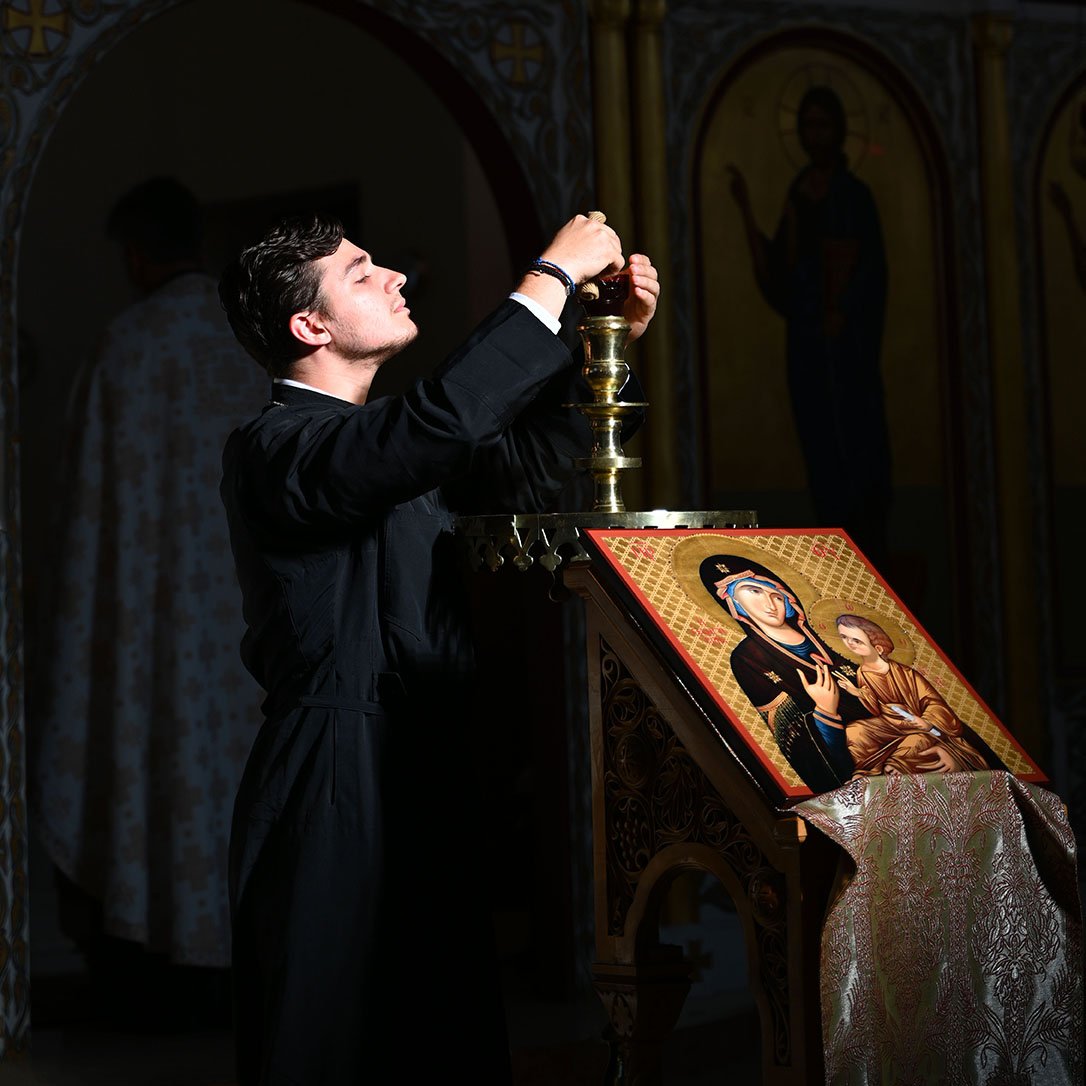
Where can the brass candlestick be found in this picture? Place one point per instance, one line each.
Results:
(604, 332)
(554, 539)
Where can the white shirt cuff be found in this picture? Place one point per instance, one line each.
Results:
(545, 315)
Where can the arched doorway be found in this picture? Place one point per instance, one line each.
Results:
(483, 197)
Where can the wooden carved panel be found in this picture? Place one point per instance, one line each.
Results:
(656, 796)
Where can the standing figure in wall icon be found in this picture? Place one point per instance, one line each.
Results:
(824, 272)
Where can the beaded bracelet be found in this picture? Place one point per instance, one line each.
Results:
(547, 268)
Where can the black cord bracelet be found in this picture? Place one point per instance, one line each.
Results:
(547, 268)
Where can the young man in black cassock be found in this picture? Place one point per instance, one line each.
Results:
(362, 949)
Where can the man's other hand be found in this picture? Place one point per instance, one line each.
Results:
(644, 294)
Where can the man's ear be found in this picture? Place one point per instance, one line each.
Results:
(308, 327)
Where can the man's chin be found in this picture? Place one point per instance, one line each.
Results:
(409, 336)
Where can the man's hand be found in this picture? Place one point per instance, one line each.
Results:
(583, 249)
(644, 294)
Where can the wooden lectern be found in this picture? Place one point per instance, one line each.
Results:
(669, 796)
(708, 753)
(693, 768)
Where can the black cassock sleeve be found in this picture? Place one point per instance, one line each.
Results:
(532, 463)
(343, 464)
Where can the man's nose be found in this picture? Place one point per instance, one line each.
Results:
(395, 280)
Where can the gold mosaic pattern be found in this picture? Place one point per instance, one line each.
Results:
(828, 569)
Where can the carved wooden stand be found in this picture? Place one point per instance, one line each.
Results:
(668, 796)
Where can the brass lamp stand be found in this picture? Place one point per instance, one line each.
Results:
(604, 332)
(554, 539)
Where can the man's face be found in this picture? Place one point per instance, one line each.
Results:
(362, 305)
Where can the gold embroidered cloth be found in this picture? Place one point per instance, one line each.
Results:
(952, 953)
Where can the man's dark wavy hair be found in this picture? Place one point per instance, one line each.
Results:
(274, 279)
